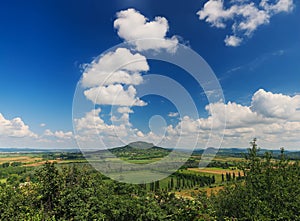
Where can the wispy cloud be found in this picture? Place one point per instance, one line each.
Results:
(254, 64)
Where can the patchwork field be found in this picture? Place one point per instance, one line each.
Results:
(18, 158)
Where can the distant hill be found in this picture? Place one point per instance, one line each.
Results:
(141, 145)
(233, 152)
(140, 150)
(144, 150)
(239, 152)
(37, 150)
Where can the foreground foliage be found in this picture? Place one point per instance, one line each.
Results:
(79, 193)
(269, 190)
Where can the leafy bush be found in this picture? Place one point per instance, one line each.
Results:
(270, 190)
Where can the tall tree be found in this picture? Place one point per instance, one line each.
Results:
(49, 186)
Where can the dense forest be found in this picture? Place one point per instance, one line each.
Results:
(268, 190)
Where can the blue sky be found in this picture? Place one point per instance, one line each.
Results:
(44, 46)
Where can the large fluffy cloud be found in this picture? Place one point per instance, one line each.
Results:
(276, 105)
(94, 132)
(15, 133)
(273, 118)
(110, 79)
(132, 25)
(246, 16)
(237, 116)
(14, 128)
(119, 66)
(214, 13)
(114, 95)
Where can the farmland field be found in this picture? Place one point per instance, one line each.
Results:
(19, 158)
(213, 170)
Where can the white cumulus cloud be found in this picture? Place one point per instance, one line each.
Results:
(214, 13)
(233, 41)
(15, 133)
(243, 16)
(276, 105)
(114, 95)
(120, 66)
(94, 132)
(58, 134)
(14, 128)
(132, 25)
(124, 110)
(110, 79)
(271, 117)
